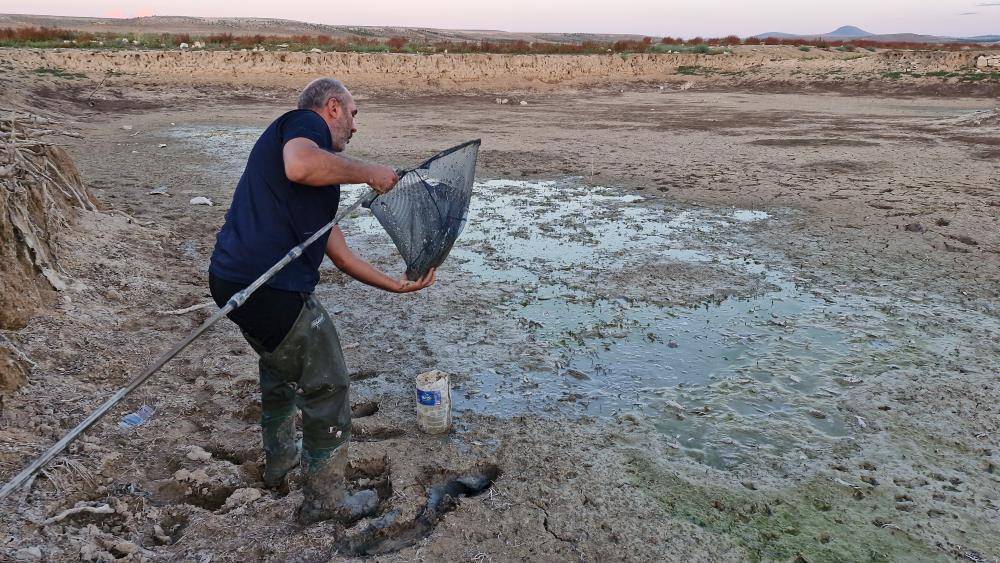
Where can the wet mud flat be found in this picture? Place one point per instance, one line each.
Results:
(570, 302)
(635, 378)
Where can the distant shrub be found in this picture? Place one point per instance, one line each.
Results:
(805, 48)
(397, 43)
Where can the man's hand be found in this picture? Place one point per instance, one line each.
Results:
(353, 265)
(407, 286)
(382, 178)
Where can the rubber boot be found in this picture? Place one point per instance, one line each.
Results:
(325, 493)
(281, 451)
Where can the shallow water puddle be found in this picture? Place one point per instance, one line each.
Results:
(613, 345)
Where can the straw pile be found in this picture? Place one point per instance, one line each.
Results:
(40, 191)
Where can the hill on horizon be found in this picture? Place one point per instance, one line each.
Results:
(849, 31)
(853, 32)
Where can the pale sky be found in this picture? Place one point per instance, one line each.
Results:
(685, 18)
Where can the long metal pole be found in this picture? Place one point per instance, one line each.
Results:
(234, 302)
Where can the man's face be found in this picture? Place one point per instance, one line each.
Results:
(340, 120)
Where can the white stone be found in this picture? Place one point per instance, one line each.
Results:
(183, 45)
(199, 45)
(981, 61)
(195, 453)
(524, 103)
(316, 50)
(201, 200)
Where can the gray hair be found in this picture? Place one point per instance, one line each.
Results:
(317, 92)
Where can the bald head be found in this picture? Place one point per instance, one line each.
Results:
(315, 95)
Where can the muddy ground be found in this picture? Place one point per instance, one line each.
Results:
(683, 325)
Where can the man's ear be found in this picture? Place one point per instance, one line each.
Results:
(333, 107)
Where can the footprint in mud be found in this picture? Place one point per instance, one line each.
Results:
(373, 430)
(392, 532)
(364, 409)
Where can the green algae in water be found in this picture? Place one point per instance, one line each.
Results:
(817, 520)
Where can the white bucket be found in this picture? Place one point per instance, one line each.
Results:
(434, 402)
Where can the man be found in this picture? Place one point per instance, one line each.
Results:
(290, 189)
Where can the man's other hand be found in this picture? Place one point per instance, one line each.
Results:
(407, 286)
(382, 178)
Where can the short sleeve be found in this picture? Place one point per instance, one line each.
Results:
(308, 125)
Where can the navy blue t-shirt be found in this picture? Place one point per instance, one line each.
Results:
(271, 214)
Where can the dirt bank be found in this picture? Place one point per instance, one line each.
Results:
(684, 325)
(412, 74)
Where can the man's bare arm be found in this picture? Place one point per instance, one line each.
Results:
(358, 268)
(307, 164)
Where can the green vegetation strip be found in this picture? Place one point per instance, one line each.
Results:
(817, 520)
(58, 73)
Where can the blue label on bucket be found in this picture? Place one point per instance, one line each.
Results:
(429, 398)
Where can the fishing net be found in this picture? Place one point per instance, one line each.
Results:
(426, 210)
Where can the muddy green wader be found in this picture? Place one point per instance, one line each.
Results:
(307, 371)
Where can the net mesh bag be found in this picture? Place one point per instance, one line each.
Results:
(427, 209)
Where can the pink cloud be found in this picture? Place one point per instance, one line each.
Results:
(114, 14)
(143, 12)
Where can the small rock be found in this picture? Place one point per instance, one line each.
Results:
(241, 497)
(125, 548)
(159, 190)
(195, 453)
(671, 344)
(199, 476)
(162, 145)
(89, 551)
(317, 51)
(577, 374)
(127, 127)
(967, 240)
(915, 228)
(524, 103)
(749, 484)
(28, 554)
(942, 222)
(201, 200)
